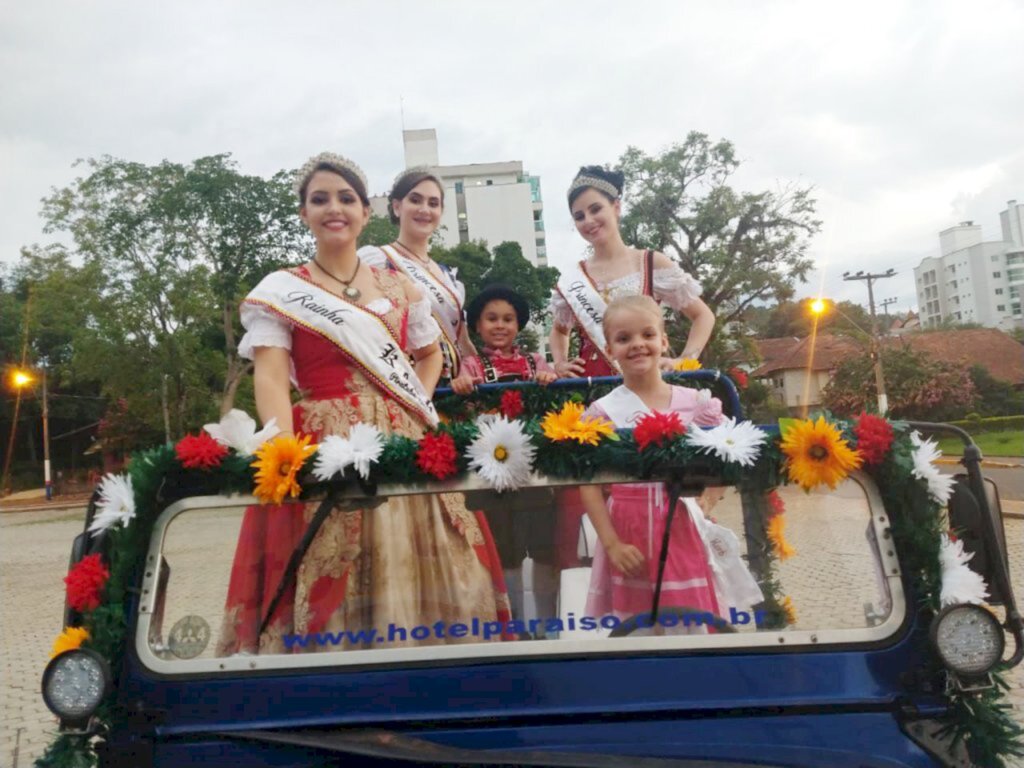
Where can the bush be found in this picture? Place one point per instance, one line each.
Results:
(974, 424)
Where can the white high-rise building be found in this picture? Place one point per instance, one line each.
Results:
(973, 281)
(493, 202)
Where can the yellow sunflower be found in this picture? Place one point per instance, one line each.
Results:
(777, 536)
(569, 424)
(278, 462)
(816, 453)
(68, 640)
(687, 364)
(788, 609)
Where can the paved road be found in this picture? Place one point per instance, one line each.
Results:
(827, 581)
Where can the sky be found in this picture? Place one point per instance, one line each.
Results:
(905, 118)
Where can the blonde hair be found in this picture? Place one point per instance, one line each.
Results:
(638, 303)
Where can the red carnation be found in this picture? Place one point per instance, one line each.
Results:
(776, 506)
(436, 455)
(874, 437)
(740, 377)
(511, 403)
(200, 451)
(657, 428)
(85, 582)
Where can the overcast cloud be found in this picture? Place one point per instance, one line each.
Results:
(906, 117)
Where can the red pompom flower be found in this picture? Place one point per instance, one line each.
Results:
(436, 455)
(200, 451)
(776, 506)
(657, 428)
(85, 581)
(511, 403)
(739, 376)
(874, 437)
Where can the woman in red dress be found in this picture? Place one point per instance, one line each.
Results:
(408, 563)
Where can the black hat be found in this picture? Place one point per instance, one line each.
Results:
(497, 292)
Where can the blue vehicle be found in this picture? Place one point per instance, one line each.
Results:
(846, 659)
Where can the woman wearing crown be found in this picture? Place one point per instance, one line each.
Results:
(361, 344)
(584, 290)
(416, 202)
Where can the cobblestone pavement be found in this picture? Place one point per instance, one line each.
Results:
(829, 581)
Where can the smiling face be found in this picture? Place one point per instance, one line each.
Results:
(498, 325)
(596, 217)
(419, 212)
(332, 210)
(636, 339)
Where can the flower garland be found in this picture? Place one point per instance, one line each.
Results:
(504, 451)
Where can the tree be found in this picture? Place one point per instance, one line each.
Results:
(743, 247)
(789, 318)
(179, 246)
(995, 397)
(918, 387)
(378, 231)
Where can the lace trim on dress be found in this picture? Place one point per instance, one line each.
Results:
(422, 328)
(262, 329)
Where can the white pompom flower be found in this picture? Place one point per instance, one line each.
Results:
(502, 454)
(360, 449)
(237, 430)
(959, 583)
(116, 503)
(924, 455)
(732, 441)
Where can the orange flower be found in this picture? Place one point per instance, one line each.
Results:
(68, 640)
(277, 464)
(817, 454)
(777, 536)
(788, 609)
(569, 424)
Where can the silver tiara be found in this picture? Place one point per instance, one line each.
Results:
(593, 181)
(332, 160)
(417, 169)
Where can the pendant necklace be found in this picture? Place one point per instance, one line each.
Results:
(419, 258)
(350, 292)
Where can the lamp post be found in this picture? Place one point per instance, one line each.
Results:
(818, 307)
(19, 379)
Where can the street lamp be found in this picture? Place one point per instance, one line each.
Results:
(818, 307)
(20, 379)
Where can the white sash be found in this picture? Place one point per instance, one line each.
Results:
(587, 305)
(444, 300)
(623, 406)
(363, 337)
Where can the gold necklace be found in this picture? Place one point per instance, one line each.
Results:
(421, 259)
(350, 292)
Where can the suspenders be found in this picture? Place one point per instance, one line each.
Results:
(491, 375)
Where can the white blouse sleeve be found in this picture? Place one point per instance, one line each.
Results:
(560, 311)
(674, 287)
(422, 327)
(372, 256)
(263, 329)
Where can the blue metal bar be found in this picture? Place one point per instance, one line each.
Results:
(732, 395)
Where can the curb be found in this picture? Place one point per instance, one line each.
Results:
(46, 507)
(985, 463)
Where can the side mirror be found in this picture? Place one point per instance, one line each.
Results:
(967, 518)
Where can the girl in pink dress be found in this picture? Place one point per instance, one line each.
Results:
(631, 524)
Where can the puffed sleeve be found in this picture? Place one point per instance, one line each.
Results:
(372, 256)
(709, 409)
(674, 287)
(560, 311)
(423, 329)
(262, 329)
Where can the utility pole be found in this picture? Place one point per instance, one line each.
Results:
(876, 352)
(886, 304)
(47, 479)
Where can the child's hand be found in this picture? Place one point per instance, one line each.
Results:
(571, 368)
(546, 377)
(462, 385)
(625, 558)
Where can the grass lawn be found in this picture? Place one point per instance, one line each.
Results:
(1009, 443)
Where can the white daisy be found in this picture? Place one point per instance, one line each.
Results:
(237, 430)
(116, 503)
(730, 441)
(940, 486)
(959, 583)
(360, 449)
(502, 454)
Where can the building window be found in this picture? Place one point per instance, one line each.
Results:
(458, 188)
(999, 291)
(490, 182)
(997, 274)
(1000, 307)
(995, 257)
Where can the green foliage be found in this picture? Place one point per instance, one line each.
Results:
(994, 397)
(378, 231)
(744, 247)
(994, 424)
(918, 387)
(795, 319)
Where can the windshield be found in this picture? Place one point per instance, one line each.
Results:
(721, 568)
